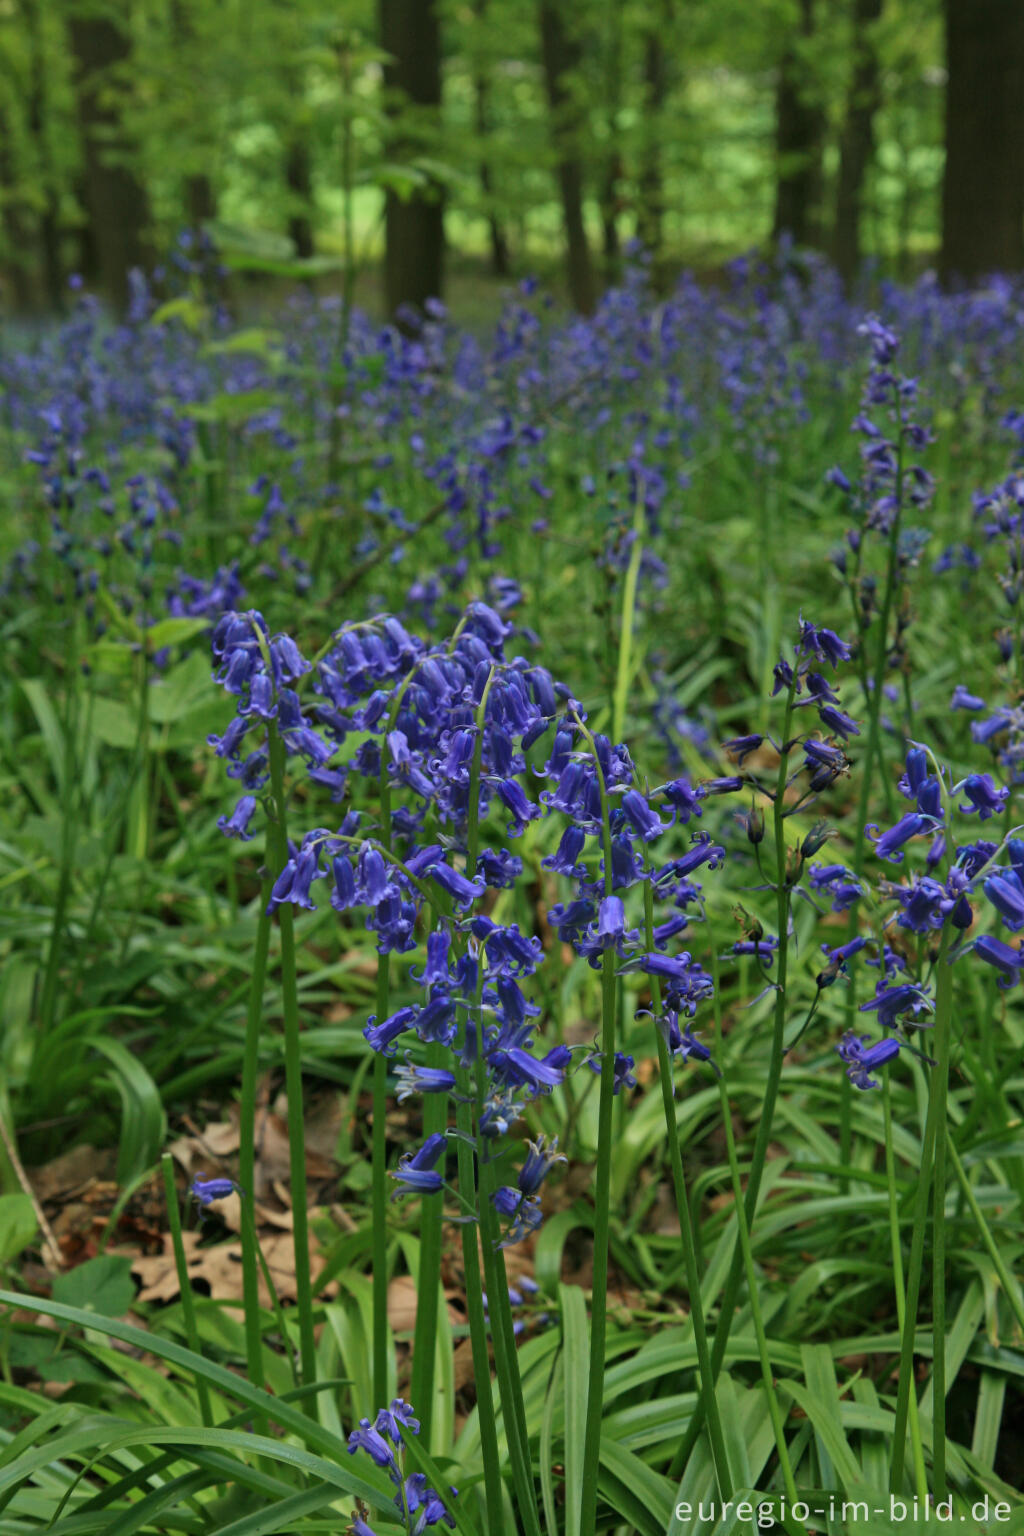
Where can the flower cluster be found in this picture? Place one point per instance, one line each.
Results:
(446, 735)
(418, 1504)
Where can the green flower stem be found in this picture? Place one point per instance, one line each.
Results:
(940, 1093)
(743, 1227)
(506, 1358)
(475, 1310)
(873, 756)
(68, 789)
(247, 1131)
(686, 1226)
(896, 1251)
(1010, 1286)
(602, 1188)
(379, 1201)
(293, 1078)
(435, 1119)
(936, 1106)
(478, 1331)
(249, 1222)
(626, 624)
(759, 1155)
(379, 1142)
(188, 1306)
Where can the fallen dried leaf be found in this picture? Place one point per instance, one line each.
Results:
(218, 1268)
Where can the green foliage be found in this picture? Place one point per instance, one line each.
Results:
(216, 96)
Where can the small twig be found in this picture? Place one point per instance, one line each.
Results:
(363, 568)
(52, 1256)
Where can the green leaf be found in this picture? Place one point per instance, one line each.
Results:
(114, 723)
(174, 632)
(103, 1285)
(143, 1122)
(255, 340)
(575, 1358)
(190, 311)
(18, 1225)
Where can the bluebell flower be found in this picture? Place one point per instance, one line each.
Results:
(565, 859)
(825, 644)
(982, 795)
(237, 824)
(915, 773)
(540, 1160)
(1005, 890)
(836, 721)
(205, 1191)
(367, 1438)
(841, 886)
(863, 1058)
(723, 786)
(381, 1037)
(740, 747)
(462, 890)
(836, 960)
(436, 969)
(891, 1002)
(684, 798)
(412, 1078)
(925, 904)
(1007, 960)
(417, 1170)
(962, 699)
(522, 1210)
(763, 948)
(702, 851)
(622, 1070)
(435, 1021)
(647, 823)
(392, 1420)
(682, 1042)
(889, 845)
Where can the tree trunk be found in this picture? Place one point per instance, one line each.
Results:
(650, 186)
(36, 110)
(298, 175)
(560, 53)
(16, 293)
(116, 206)
(200, 202)
(482, 93)
(800, 126)
(983, 184)
(611, 170)
(198, 198)
(857, 141)
(410, 31)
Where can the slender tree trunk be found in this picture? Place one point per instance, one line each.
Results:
(983, 185)
(198, 198)
(482, 93)
(299, 177)
(116, 205)
(611, 171)
(410, 31)
(857, 141)
(561, 53)
(16, 293)
(650, 186)
(200, 202)
(36, 113)
(800, 126)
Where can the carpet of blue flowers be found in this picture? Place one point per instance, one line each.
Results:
(592, 751)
